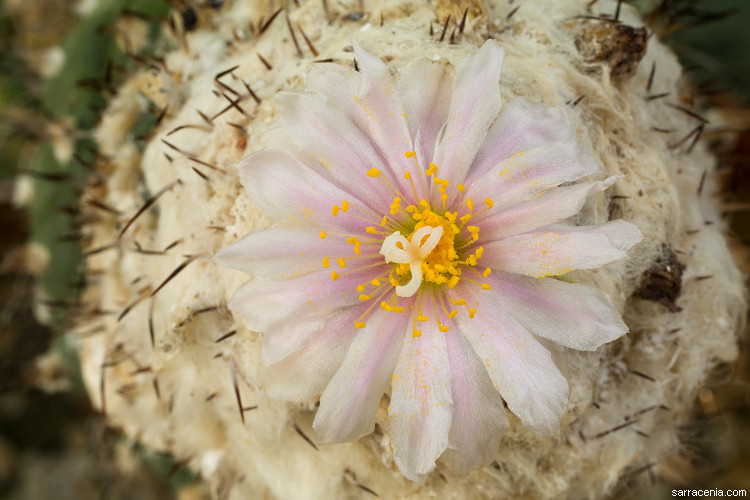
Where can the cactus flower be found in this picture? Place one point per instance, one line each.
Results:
(416, 242)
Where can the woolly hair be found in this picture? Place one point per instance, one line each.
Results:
(173, 368)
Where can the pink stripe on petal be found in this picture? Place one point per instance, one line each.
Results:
(286, 190)
(552, 206)
(558, 250)
(520, 368)
(282, 253)
(522, 126)
(348, 405)
(386, 116)
(309, 367)
(574, 315)
(265, 303)
(330, 142)
(421, 403)
(476, 102)
(529, 173)
(479, 418)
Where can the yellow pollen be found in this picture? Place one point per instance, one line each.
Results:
(386, 306)
(371, 230)
(485, 286)
(489, 203)
(459, 302)
(395, 205)
(443, 328)
(364, 298)
(326, 263)
(410, 154)
(359, 325)
(479, 252)
(342, 262)
(486, 272)
(470, 204)
(335, 210)
(399, 309)
(360, 288)
(461, 187)
(373, 172)
(334, 275)
(472, 312)
(345, 205)
(407, 175)
(472, 229)
(452, 313)
(375, 283)
(384, 221)
(431, 170)
(416, 333)
(422, 318)
(322, 235)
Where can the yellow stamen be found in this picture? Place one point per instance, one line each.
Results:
(461, 187)
(364, 298)
(371, 230)
(486, 272)
(485, 286)
(489, 203)
(334, 275)
(359, 325)
(342, 262)
(335, 210)
(373, 172)
(344, 205)
(410, 154)
(470, 204)
(322, 235)
(326, 263)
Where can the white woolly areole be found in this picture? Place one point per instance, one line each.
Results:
(204, 361)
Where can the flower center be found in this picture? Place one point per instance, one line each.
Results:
(423, 243)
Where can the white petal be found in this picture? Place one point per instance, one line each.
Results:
(520, 368)
(552, 206)
(281, 253)
(284, 189)
(524, 126)
(556, 251)
(421, 404)
(332, 143)
(348, 405)
(306, 371)
(265, 303)
(574, 315)
(476, 102)
(426, 88)
(386, 116)
(479, 418)
(530, 172)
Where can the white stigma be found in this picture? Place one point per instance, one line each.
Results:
(412, 253)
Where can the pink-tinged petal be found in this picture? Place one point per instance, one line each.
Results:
(286, 190)
(529, 173)
(558, 250)
(330, 142)
(311, 363)
(550, 207)
(281, 253)
(348, 405)
(386, 118)
(479, 418)
(476, 102)
(289, 337)
(522, 126)
(574, 315)
(426, 88)
(265, 303)
(421, 403)
(520, 368)
(339, 84)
